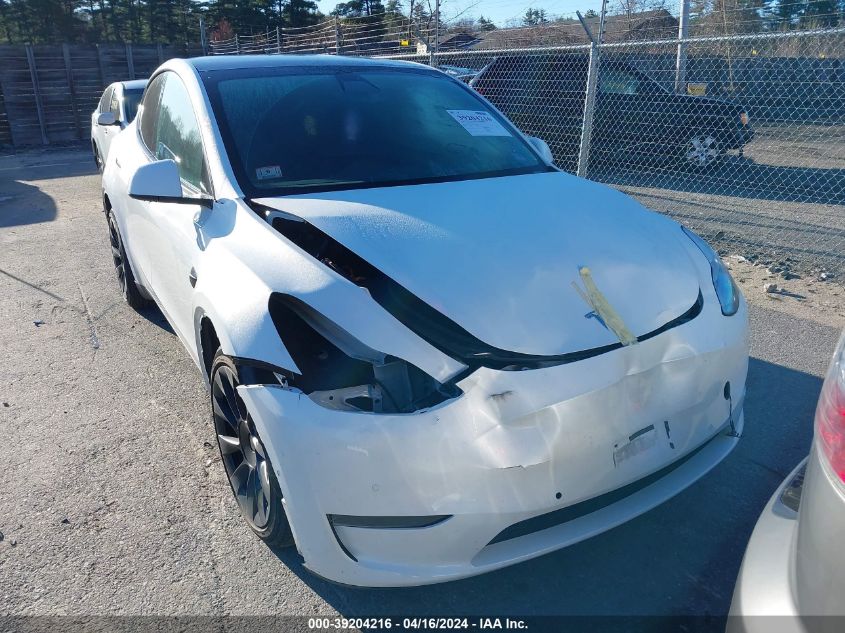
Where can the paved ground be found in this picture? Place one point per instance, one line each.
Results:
(112, 499)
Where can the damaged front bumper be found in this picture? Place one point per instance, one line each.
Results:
(521, 464)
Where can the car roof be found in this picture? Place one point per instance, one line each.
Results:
(229, 62)
(135, 84)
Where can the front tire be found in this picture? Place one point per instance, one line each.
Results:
(245, 459)
(131, 294)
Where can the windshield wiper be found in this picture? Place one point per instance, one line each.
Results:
(298, 184)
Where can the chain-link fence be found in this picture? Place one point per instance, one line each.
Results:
(750, 153)
(741, 137)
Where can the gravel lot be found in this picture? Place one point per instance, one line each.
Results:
(783, 200)
(112, 500)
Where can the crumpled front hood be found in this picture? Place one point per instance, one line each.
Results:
(499, 256)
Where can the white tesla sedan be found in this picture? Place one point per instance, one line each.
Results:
(116, 109)
(430, 352)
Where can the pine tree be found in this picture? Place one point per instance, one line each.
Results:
(818, 14)
(534, 17)
(485, 24)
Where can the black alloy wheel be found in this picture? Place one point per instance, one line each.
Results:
(245, 458)
(122, 269)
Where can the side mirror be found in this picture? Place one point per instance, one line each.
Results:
(543, 149)
(106, 118)
(160, 182)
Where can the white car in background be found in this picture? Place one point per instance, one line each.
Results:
(793, 566)
(430, 352)
(116, 109)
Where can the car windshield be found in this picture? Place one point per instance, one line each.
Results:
(296, 130)
(131, 99)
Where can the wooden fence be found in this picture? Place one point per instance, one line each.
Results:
(47, 93)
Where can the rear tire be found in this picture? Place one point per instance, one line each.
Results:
(125, 278)
(245, 460)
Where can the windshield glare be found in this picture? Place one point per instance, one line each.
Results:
(293, 130)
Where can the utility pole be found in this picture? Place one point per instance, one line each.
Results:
(681, 61)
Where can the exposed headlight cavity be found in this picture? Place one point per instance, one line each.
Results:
(723, 283)
(339, 372)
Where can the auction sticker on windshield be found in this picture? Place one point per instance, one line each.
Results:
(479, 122)
(268, 172)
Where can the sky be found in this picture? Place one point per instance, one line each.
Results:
(500, 11)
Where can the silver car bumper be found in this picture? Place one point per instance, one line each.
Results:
(764, 586)
(791, 579)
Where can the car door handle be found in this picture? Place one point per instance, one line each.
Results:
(192, 278)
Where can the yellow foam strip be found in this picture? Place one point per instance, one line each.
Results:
(603, 308)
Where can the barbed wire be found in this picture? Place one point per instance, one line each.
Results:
(398, 33)
(358, 34)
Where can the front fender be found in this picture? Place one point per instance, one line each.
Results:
(236, 300)
(243, 260)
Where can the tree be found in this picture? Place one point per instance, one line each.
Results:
(486, 25)
(783, 14)
(358, 8)
(301, 13)
(727, 17)
(222, 31)
(817, 14)
(41, 21)
(395, 21)
(533, 17)
(251, 16)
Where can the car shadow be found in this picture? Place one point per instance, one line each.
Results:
(22, 203)
(679, 559)
(154, 315)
